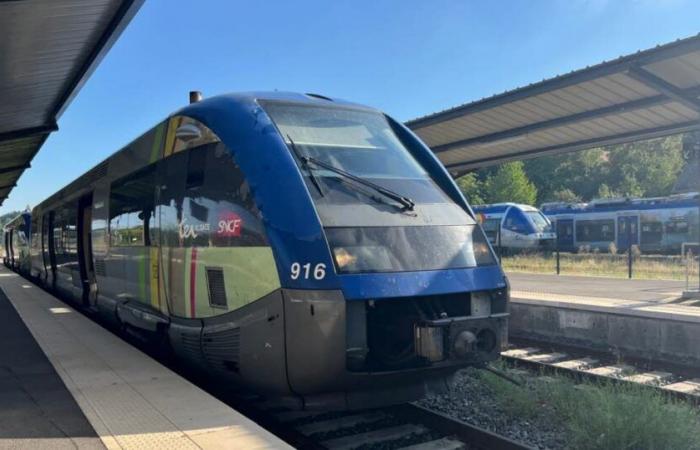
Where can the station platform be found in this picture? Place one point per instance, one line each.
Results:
(66, 382)
(638, 318)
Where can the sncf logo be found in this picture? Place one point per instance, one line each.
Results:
(230, 225)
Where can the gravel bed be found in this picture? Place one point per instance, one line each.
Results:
(473, 402)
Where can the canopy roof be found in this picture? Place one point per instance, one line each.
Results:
(648, 94)
(49, 49)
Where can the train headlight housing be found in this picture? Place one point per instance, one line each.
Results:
(343, 257)
(358, 258)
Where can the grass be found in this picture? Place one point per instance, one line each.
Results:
(602, 264)
(602, 416)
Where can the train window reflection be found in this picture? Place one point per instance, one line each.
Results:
(595, 230)
(131, 213)
(212, 205)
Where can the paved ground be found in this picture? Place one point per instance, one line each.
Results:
(131, 400)
(622, 288)
(36, 409)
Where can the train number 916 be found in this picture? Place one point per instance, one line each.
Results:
(304, 271)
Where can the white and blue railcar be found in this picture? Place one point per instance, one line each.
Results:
(654, 225)
(520, 226)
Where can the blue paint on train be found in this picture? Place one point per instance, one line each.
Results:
(423, 283)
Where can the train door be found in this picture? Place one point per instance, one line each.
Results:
(627, 232)
(46, 262)
(6, 257)
(86, 265)
(10, 248)
(50, 238)
(565, 234)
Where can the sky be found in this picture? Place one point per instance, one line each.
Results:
(408, 58)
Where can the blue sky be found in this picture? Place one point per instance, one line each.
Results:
(406, 57)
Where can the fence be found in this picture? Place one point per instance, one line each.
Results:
(632, 263)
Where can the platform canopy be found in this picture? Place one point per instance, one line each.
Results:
(48, 49)
(648, 94)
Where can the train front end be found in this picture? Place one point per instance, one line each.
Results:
(408, 289)
(387, 285)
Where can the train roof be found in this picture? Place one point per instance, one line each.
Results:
(310, 99)
(217, 104)
(501, 207)
(688, 200)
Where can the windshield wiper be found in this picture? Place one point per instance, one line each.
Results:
(405, 201)
(313, 178)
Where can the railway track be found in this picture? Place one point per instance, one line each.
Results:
(405, 426)
(597, 366)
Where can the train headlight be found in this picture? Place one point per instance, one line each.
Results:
(343, 257)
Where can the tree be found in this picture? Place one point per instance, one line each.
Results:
(7, 217)
(565, 195)
(604, 191)
(510, 184)
(646, 168)
(471, 188)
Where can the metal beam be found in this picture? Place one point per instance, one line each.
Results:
(618, 65)
(28, 132)
(14, 168)
(663, 86)
(602, 141)
(561, 121)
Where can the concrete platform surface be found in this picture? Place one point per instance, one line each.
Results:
(36, 409)
(129, 399)
(618, 288)
(638, 318)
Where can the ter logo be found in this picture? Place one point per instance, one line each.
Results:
(229, 225)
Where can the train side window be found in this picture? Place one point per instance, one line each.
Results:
(652, 232)
(677, 226)
(595, 230)
(195, 168)
(217, 207)
(131, 209)
(65, 234)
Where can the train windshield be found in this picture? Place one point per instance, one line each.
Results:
(377, 204)
(541, 223)
(326, 140)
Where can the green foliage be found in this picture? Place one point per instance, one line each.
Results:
(648, 168)
(602, 416)
(640, 169)
(510, 184)
(565, 195)
(7, 217)
(471, 187)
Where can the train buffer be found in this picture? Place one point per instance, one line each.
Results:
(66, 382)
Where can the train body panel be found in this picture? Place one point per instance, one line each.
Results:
(213, 232)
(654, 225)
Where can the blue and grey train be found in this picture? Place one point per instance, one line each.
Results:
(513, 226)
(654, 225)
(305, 247)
